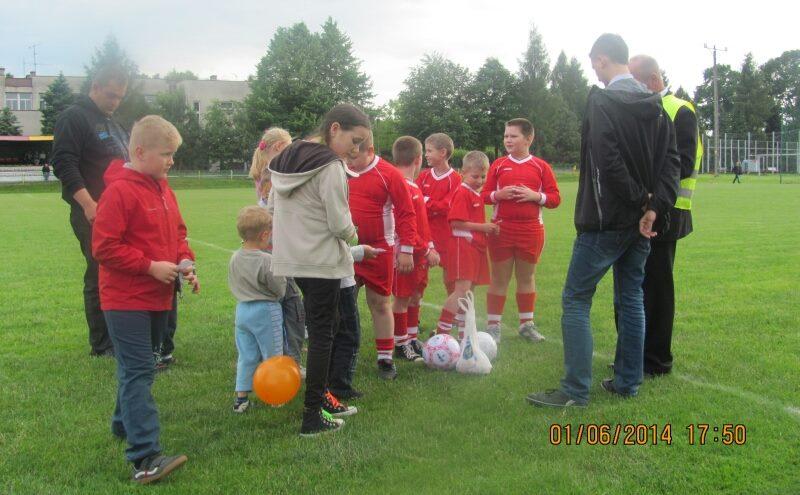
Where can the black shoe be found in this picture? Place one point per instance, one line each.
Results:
(108, 353)
(416, 344)
(160, 365)
(168, 359)
(317, 422)
(386, 369)
(332, 406)
(406, 352)
(349, 394)
(608, 386)
(155, 467)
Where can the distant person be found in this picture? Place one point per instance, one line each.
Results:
(628, 181)
(737, 170)
(46, 171)
(86, 140)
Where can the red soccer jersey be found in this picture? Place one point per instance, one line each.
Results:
(467, 206)
(532, 172)
(437, 192)
(378, 198)
(424, 240)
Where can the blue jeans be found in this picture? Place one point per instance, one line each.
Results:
(135, 415)
(259, 336)
(592, 255)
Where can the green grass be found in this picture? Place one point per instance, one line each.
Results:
(736, 347)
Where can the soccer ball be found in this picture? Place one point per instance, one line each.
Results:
(488, 345)
(441, 352)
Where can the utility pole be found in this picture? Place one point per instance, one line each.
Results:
(717, 156)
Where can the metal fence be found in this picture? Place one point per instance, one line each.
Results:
(778, 154)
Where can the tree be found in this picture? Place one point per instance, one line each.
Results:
(175, 76)
(54, 101)
(224, 141)
(752, 102)
(9, 125)
(682, 94)
(302, 76)
(704, 97)
(435, 99)
(172, 106)
(783, 76)
(386, 127)
(493, 97)
(567, 81)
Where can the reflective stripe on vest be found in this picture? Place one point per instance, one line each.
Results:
(672, 104)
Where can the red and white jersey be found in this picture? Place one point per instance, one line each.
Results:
(467, 206)
(424, 240)
(437, 190)
(532, 172)
(379, 197)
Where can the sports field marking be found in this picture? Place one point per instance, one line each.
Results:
(792, 411)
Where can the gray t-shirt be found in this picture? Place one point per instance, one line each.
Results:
(250, 277)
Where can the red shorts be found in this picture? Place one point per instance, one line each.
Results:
(517, 240)
(465, 262)
(406, 284)
(377, 273)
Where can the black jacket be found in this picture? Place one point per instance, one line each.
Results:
(627, 152)
(85, 141)
(680, 221)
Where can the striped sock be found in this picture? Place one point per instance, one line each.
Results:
(413, 322)
(385, 347)
(460, 321)
(400, 328)
(445, 322)
(494, 308)
(526, 304)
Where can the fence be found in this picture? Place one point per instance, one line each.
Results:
(778, 154)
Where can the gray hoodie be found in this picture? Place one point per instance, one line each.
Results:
(311, 224)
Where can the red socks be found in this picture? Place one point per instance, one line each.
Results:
(526, 304)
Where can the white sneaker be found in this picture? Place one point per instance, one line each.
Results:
(529, 331)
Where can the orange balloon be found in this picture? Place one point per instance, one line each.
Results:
(277, 380)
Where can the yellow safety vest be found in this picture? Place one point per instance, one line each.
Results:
(672, 104)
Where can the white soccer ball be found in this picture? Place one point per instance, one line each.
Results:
(441, 352)
(488, 345)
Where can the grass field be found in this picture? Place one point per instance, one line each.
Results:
(736, 346)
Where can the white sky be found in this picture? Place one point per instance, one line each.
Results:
(229, 38)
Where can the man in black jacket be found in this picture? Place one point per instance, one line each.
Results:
(86, 139)
(628, 181)
(659, 285)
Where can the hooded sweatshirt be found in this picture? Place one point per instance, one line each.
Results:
(311, 224)
(137, 222)
(627, 152)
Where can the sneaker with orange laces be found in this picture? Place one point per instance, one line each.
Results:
(332, 406)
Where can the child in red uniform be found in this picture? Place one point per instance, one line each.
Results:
(379, 198)
(438, 184)
(409, 287)
(518, 185)
(466, 264)
(139, 240)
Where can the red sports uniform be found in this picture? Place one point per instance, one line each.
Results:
(437, 192)
(406, 284)
(379, 197)
(467, 249)
(521, 227)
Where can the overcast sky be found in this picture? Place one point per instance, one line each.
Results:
(229, 38)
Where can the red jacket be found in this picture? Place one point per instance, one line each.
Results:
(137, 222)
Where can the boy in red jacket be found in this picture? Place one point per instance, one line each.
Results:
(139, 240)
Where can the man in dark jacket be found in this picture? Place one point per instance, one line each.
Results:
(628, 180)
(659, 285)
(86, 140)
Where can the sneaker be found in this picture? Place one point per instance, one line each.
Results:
(155, 467)
(553, 398)
(240, 404)
(386, 369)
(302, 372)
(319, 422)
(332, 406)
(529, 331)
(494, 331)
(160, 365)
(417, 345)
(168, 359)
(608, 386)
(407, 353)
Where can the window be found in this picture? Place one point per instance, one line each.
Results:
(150, 99)
(226, 105)
(196, 107)
(19, 101)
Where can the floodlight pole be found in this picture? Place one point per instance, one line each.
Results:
(717, 156)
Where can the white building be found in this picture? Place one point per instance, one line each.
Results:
(23, 94)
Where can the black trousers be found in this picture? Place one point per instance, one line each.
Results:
(99, 340)
(346, 343)
(167, 344)
(659, 307)
(321, 301)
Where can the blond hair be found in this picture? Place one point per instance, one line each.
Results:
(271, 137)
(253, 221)
(151, 131)
(475, 160)
(441, 141)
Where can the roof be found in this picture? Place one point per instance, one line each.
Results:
(26, 138)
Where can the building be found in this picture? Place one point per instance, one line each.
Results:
(23, 94)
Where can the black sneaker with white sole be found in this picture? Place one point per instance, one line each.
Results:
(316, 422)
(155, 467)
(332, 406)
(406, 352)
(417, 345)
(386, 369)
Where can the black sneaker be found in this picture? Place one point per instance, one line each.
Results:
(332, 406)
(155, 467)
(160, 365)
(608, 386)
(417, 345)
(386, 369)
(240, 404)
(168, 359)
(407, 353)
(317, 422)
